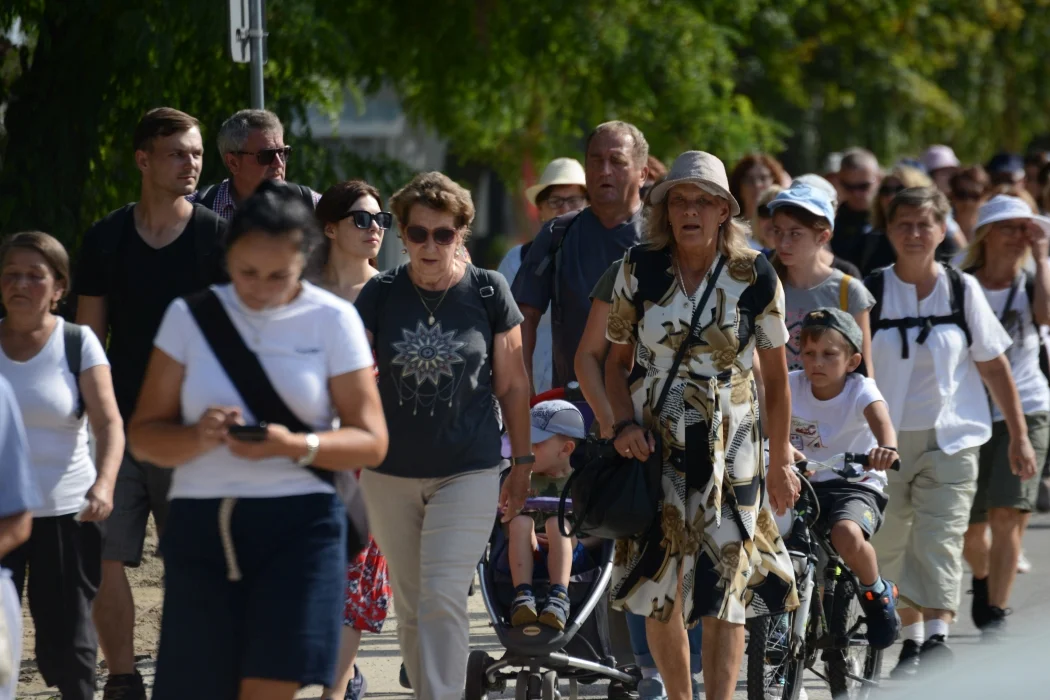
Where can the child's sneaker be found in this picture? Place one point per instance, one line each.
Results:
(556, 612)
(880, 612)
(523, 611)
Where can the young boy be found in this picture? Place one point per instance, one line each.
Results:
(836, 409)
(535, 544)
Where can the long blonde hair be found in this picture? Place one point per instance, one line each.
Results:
(732, 239)
(975, 258)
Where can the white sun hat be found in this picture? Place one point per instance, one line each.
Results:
(560, 171)
(701, 169)
(1003, 207)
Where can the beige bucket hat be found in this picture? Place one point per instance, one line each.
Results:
(560, 171)
(701, 169)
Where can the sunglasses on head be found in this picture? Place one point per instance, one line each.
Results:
(363, 219)
(890, 190)
(857, 186)
(266, 156)
(442, 235)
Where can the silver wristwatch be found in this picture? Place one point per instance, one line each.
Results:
(312, 444)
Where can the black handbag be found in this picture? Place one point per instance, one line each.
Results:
(616, 497)
(248, 377)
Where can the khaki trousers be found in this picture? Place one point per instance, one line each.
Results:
(920, 543)
(432, 532)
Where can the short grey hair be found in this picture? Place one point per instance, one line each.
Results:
(235, 130)
(929, 198)
(640, 151)
(859, 159)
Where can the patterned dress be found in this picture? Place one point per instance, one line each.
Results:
(714, 527)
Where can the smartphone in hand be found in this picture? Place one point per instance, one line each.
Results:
(248, 433)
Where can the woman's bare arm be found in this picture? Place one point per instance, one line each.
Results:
(512, 387)
(100, 404)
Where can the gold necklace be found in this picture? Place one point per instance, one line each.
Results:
(431, 312)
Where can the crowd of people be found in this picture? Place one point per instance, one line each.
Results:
(317, 439)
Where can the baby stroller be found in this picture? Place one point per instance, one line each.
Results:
(537, 656)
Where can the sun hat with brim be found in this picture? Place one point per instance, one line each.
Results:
(701, 169)
(560, 171)
(815, 201)
(556, 417)
(1003, 207)
(938, 157)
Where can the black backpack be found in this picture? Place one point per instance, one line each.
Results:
(559, 230)
(206, 196)
(73, 336)
(876, 281)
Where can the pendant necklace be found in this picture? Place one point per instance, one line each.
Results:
(431, 312)
(681, 283)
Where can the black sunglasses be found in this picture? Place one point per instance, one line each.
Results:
(857, 186)
(970, 195)
(363, 219)
(265, 156)
(442, 236)
(890, 190)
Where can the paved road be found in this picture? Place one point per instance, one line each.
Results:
(1031, 601)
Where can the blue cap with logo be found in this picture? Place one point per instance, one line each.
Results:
(812, 199)
(556, 417)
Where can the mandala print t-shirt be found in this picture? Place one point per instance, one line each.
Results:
(436, 379)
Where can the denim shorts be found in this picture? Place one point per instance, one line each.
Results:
(280, 621)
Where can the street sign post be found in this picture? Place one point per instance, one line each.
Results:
(247, 42)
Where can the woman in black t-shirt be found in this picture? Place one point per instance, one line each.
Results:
(448, 348)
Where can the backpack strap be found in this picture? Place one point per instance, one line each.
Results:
(559, 230)
(844, 292)
(1018, 282)
(876, 283)
(206, 197)
(488, 298)
(308, 196)
(73, 337)
(958, 302)
(957, 315)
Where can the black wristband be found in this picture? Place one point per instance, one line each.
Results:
(618, 427)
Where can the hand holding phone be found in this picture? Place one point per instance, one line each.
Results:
(248, 433)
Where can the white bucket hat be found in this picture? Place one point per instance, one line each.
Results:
(560, 171)
(1003, 207)
(701, 169)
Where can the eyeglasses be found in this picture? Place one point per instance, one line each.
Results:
(890, 190)
(575, 202)
(857, 186)
(363, 219)
(266, 156)
(967, 195)
(442, 235)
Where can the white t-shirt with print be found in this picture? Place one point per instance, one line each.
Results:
(1024, 353)
(822, 429)
(58, 440)
(300, 346)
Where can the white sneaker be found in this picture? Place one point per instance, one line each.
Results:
(1023, 565)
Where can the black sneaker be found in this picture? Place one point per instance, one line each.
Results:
(936, 652)
(126, 686)
(402, 678)
(979, 609)
(908, 662)
(995, 630)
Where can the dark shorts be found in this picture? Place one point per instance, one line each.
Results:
(539, 561)
(841, 500)
(997, 486)
(141, 489)
(281, 621)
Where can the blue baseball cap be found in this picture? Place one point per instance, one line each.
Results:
(556, 417)
(812, 199)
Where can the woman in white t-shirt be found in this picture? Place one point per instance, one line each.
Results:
(936, 346)
(1007, 233)
(255, 546)
(803, 222)
(63, 556)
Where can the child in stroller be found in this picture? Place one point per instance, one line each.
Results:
(532, 561)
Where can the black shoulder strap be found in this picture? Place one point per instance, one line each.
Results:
(684, 347)
(1018, 282)
(206, 197)
(524, 251)
(559, 228)
(308, 196)
(875, 282)
(73, 336)
(488, 297)
(958, 301)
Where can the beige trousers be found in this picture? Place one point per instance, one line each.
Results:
(920, 543)
(432, 532)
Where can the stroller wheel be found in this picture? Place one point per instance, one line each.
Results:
(521, 686)
(477, 683)
(549, 689)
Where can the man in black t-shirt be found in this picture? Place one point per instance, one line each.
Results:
(859, 178)
(133, 264)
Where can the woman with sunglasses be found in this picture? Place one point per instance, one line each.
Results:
(967, 190)
(448, 345)
(353, 223)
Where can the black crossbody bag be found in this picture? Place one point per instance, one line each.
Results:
(616, 497)
(248, 377)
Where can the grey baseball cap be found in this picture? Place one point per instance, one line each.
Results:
(838, 320)
(556, 417)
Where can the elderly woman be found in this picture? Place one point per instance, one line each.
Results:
(1007, 235)
(934, 341)
(256, 542)
(447, 340)
(715, 533)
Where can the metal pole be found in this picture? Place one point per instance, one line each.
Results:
(255, 35)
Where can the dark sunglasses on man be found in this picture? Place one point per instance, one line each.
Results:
(363, 219)
(419, 235)
(857, 186)
(266, 156)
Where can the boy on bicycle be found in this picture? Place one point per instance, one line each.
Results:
(835, 408)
